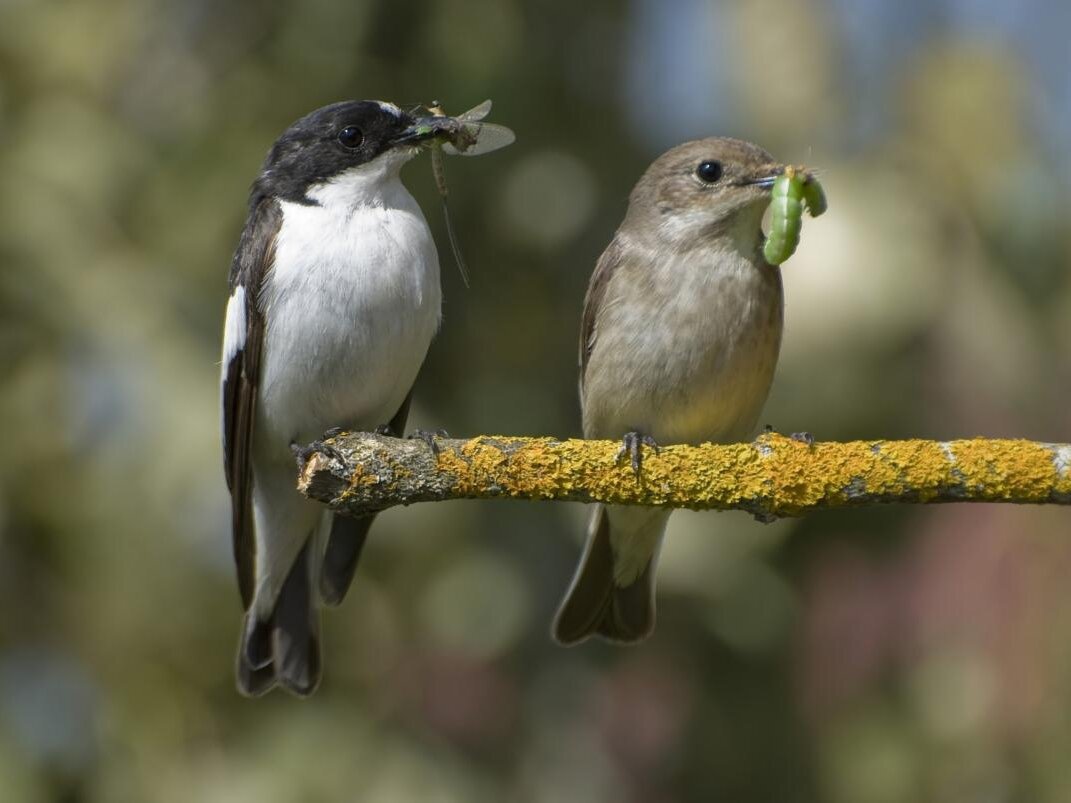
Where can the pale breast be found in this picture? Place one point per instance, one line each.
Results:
(351, 306)
(685, 350)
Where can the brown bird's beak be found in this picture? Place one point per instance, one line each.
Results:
(763, 177)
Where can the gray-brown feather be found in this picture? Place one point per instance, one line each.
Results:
(600, 280)
(596, 604)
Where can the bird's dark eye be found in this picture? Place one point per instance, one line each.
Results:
(351, 136)
(709, 171)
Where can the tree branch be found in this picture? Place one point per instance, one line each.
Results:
(771, 477)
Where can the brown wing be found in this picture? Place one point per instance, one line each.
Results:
(600, 280)
(242, 350)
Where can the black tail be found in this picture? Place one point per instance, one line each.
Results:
(348, 535)
(595, 604)
(284, 648)
(344, 547)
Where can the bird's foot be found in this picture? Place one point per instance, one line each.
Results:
(801, 437)
(429, 436)
(632, 444)
(303, 453)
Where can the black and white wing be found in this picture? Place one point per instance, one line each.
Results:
(243, 338)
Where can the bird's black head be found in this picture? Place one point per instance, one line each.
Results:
(335, 139)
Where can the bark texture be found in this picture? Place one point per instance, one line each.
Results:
(773, 476)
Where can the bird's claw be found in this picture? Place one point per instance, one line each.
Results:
(303, 453)
(800, 437)
(429, 436)
(632, 444)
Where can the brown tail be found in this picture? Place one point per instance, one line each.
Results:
(595, 604)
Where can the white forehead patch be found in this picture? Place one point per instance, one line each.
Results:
(389, 108)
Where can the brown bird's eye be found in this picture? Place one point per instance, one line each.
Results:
(709, 171)
(351, 136)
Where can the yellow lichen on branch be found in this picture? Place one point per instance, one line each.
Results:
(770, 477)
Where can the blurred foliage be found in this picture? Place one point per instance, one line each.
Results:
(873, 656)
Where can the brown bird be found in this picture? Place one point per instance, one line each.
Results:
(679, 340)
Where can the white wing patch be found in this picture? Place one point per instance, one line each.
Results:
(390, 108)
(234, 330)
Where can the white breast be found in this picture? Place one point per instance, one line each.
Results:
(350, 308)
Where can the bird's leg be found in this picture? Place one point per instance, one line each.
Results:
(632, 444)
(429, 436)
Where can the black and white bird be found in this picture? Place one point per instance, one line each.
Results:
(334, 300)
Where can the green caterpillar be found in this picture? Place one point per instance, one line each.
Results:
(791, 190)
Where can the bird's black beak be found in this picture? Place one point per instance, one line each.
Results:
(764, 177)
(424, 130)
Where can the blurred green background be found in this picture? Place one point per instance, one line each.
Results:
(874, 656)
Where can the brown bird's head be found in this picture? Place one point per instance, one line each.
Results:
(703, 189)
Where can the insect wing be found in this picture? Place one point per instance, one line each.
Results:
(476, 113)
(484, 138)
